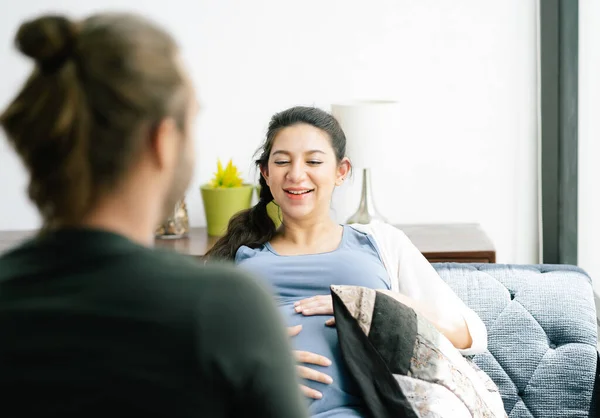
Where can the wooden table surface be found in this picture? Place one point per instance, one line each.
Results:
(466, 243)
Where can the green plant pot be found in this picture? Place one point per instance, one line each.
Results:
(221, 204)
(273, 210)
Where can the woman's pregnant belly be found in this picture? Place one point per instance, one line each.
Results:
(342, 397)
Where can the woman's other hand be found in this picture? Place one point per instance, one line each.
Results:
(307, 357)
(317, 305)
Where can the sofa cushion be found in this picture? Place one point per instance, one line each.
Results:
(542, 333)
(403, 365)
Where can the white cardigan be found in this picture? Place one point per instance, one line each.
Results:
(412, 275)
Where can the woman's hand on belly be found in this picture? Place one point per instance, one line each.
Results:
(317, 305)
(307, 373)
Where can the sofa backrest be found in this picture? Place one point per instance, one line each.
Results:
(542, 335)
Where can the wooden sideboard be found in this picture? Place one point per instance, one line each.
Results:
(461, 243)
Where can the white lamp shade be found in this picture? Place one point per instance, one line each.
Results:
(372, 131)
(371, 128)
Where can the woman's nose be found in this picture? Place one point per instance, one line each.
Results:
(296, 173)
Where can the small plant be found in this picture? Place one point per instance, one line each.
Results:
(226, 178)
(223, 197)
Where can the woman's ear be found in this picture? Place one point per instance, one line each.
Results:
(343, 171)
(264, 171)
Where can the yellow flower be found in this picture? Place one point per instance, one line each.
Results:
(228, 177)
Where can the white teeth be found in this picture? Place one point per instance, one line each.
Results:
(295, 192)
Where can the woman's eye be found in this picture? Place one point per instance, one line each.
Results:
(315, 162)
(281, 162)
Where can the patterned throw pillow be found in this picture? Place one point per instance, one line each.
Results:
(403, 365)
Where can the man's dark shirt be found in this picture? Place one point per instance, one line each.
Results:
(94, 325)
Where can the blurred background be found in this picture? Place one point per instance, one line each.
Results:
(468, 76)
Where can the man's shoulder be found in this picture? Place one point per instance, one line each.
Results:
(176, 272)
(165, 264)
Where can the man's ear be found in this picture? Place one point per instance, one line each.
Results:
(164, 140)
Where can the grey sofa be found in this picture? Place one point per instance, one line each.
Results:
(542, 334)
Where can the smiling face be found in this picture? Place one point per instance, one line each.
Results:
(302, 172)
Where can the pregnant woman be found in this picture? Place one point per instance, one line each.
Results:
(302, 162)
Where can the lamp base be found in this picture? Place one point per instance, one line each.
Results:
(366, 213)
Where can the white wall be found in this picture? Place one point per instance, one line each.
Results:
(589, 139)
(464, 71)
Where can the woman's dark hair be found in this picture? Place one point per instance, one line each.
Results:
(98, 88)
(254, 227)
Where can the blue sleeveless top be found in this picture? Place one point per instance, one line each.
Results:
(355, 262)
